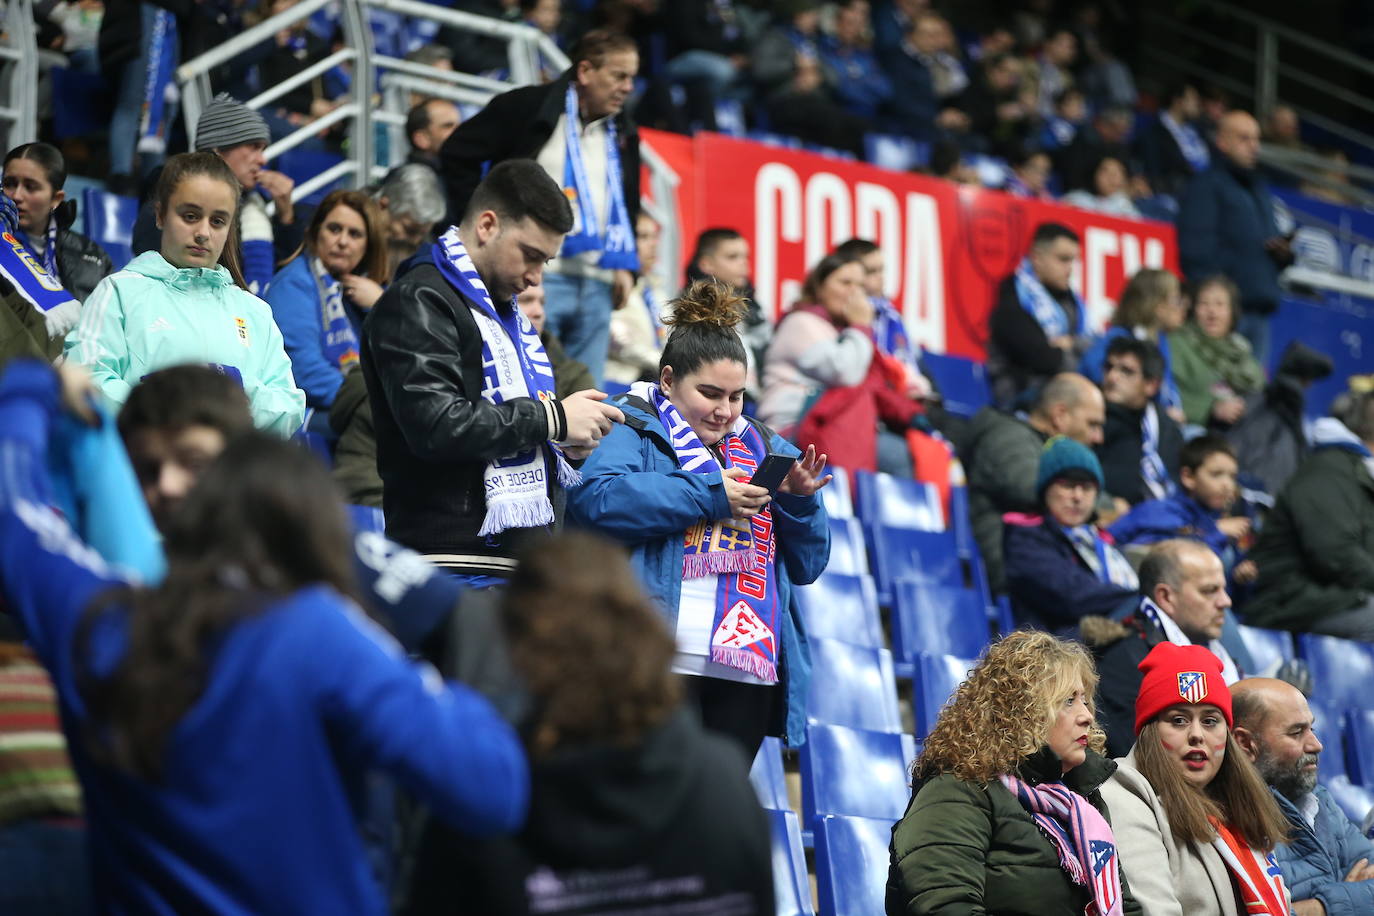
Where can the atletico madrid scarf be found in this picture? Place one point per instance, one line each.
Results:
(741, 555)
(1081, 836)
(1256, 874)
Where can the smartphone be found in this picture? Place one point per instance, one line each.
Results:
(772, 472)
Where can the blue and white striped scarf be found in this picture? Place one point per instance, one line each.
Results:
(159, 87)
(31, 280)
(616, 240)
(514, 365)
(1152, 469)
(1048, 313)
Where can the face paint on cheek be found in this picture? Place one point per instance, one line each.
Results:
(1218, 748)
(1166, 745)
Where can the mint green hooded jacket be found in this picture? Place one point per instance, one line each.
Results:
(151, 315)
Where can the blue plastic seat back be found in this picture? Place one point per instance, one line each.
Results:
(1268, 648)
(937, 677)
(937, 619)
(847, 552)
(852, 686)
(768, 777)
(109, 220)
(895, 502)
(852, 865)
(844, 607)
(837, 497)
(1342, 669)
(963, 383)
(1359, 746)
(855, 772)
(791, 885)
(926, 556)
(1330, 728)
(1355, 801)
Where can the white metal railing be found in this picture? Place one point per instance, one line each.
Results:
(19, 75)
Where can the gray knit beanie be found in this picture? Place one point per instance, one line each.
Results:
(227, 122)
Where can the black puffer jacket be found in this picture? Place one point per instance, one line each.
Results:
(81, 263)
(422, 362)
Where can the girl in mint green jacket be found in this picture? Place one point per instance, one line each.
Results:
(187, 303)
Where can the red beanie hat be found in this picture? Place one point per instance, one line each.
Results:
(1177, 675)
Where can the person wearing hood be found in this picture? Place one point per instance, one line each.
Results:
(718, 554)
(1060, 566)
(1316, 552)
(1226, 226)
(630, 798)
(1195, 823)
(1006, 815)
(187, 303)
(34, 174)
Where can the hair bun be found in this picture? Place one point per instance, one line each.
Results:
(707, 302)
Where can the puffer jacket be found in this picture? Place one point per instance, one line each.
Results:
(634, 492)
(1050, 585)
(1316, 552)
(970, 850)
(152, 315)
(1002, 458)
(1316, 859)
(81, 263)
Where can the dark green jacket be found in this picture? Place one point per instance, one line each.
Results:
(1002, 458)
(1316, 553)
(968, 850)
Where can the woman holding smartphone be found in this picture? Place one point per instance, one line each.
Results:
(718, 554)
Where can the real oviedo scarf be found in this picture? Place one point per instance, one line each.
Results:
(1048, 313)
(744, 628)
(1081, 836)
(337, 339)
(514, 365)
(39, 286)
(616, 241)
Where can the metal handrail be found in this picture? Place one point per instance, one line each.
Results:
(343, 55)
(21, 108)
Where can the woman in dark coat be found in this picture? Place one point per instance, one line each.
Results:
(1013, 761)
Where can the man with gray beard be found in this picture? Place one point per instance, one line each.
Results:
(1327, 863)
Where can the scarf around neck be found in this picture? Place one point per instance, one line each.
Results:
(744, 626)
(1048, 313)
(514, 365)
(1228, 356)
(1230, 672)
(616, 240)
(1080, 835)
(1190, 143)
(1103, 560)
(33, 282)
(337, 338)
(1152, 469)
(1256, 874)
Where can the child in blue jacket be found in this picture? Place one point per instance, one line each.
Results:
(222, 723)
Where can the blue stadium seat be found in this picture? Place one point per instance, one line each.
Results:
(895, 502)
(1342, 669)
(842, 607)
(855, 772)
(1355, 801)
(960, 521)
(896, 152)
(847, 553)
(928, 556)
(768, 777)
(109, 220)
(851, 865)
(1268, 648)
(791, 885)
(837, 496)
(1330, 728)
(938, 620)
(853, 686)
(963, 383)
(937, 676)
(1006, 621)
(1359, 746)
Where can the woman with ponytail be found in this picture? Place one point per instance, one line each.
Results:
(187, 302)
(717, 554)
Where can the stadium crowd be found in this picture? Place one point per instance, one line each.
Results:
(415, 551)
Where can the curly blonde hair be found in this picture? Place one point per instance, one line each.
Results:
(1004, 709)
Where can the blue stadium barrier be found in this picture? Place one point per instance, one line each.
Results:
(768, 777)
(847, 552)
(1268, 648)
(851, 865)
(937, 676)
(1342, 669)
(791, 884)
(109, 221)
(936, 619)
(1338, 331)
(843, 607)
(853, 686)
(837, 497)
(962, 382)
(850, 771)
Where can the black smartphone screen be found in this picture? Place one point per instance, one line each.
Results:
(772, 472)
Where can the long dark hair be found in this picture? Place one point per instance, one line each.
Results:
(49, 159)
(186, 165)
(263, 521)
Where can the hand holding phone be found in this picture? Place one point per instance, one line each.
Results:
(772, 472)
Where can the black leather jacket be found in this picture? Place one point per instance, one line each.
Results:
(422, 361)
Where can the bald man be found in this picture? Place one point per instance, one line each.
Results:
(1327, 864)
(1002, 457)
(1226, 226)
(1183, 600)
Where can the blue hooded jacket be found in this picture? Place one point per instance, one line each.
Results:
(634, 492)
(1316, 859)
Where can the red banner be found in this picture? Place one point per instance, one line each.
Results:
(947, 245)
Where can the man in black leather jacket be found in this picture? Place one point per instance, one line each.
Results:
(422, 361)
